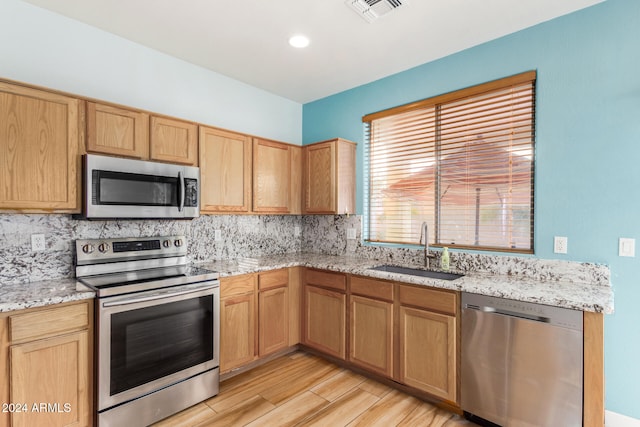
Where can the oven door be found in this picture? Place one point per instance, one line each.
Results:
(150, 340)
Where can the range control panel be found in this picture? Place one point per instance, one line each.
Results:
(90, 251)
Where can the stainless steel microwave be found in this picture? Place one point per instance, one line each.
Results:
(125, 188)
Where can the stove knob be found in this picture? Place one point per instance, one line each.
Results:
(87, 249)
(104, 247)
(166, 243)
(178, 243)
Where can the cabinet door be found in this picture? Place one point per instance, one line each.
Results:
(295, 202)
(428, 359)
(271, 176)
(117, 131)
(319, 178)
(324, 315)
(237, 331)
(40, 136)
(173, 141)
(273, 312)
(371, 334)
(52, 372)
(225, 171)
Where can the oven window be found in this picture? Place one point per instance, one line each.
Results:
(132, 189)
(153, 342)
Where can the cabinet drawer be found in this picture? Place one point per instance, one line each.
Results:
(237, 285)
(49, 322)
(326, 279)
(431, 299)
(372, 288)
(273, 279)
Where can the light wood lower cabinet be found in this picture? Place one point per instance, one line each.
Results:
(254, 317)
(371, 324)
(47, 356)
(237, 321)
(428, 340)
(428, 352)
(273, 311)
(324, 312)
(371, 334)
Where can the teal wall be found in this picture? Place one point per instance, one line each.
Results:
(587, 147)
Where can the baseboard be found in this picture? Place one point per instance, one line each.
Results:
(613, 419)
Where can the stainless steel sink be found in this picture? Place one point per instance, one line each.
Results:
(418, 272)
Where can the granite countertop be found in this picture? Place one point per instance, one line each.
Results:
(40, 294)
(582, 294)
(577, 295)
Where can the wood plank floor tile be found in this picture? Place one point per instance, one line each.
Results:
(431, 416)
(189, 417)
(292, 412)
(304, 380)
(344, 410)
(267, 380)
(388, 411)
(305, 390)
(240, 415)
(375, 388)
(337, 385)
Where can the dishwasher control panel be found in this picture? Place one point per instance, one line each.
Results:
(556, 316)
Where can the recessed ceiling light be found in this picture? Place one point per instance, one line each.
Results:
(299, 41)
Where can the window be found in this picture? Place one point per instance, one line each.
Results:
(461, 162)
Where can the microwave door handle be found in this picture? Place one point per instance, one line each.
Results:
(181, 192)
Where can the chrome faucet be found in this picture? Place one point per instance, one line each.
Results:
(424, 232)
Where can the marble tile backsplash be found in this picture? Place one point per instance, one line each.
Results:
(247, 236)
(242, 236)
(327, 235)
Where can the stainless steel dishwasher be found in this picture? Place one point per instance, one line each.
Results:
(521, 363)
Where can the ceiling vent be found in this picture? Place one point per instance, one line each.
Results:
(371, 10)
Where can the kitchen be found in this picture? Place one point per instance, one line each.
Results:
(587, 57)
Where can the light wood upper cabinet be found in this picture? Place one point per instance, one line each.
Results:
(295, 201)
(329, 177)
(173, 141)
(46, 357)
(271, 176)
(225, 171)
(117, 131)
(40, 141)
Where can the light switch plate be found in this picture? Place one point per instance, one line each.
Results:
(627, 247)
(217, 235)
(296, 231)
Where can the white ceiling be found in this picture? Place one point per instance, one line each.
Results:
(247, 40)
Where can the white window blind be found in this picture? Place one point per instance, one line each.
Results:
(462, 162)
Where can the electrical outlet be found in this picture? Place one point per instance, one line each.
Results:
(351, 234)
(560, 245)
(217, 235)
(296, 231)
(38, 243)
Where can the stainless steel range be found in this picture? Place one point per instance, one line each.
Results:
(157, 327)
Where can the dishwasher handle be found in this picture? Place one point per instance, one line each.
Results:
(494, 310)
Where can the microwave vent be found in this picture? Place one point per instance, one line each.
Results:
(371, 10)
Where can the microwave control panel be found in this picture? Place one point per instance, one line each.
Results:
(191, 192)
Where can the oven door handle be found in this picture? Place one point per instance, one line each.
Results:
(157, 296)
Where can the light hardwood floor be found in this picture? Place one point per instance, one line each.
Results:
(304, 390)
